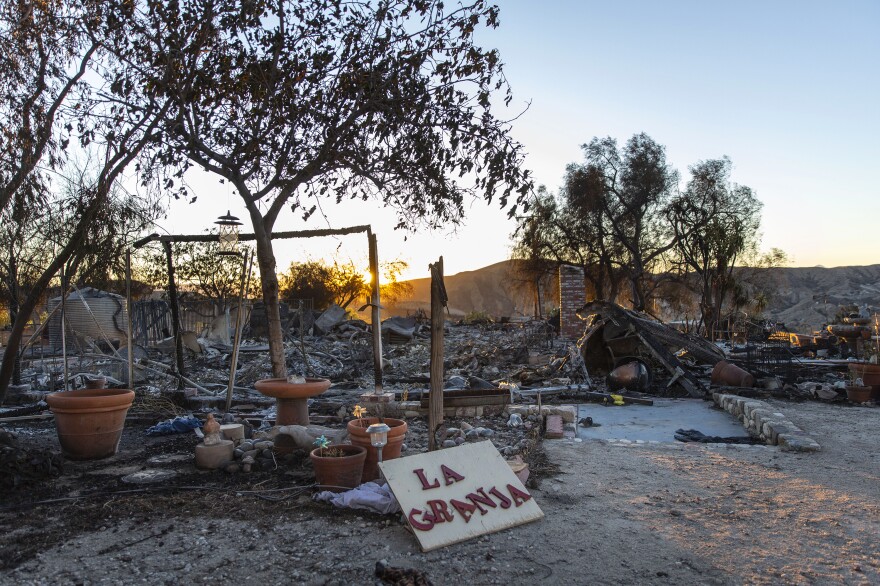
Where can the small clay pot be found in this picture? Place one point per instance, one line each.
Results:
(89, 422)
(357, 431)
(859, 394)
(338, 473)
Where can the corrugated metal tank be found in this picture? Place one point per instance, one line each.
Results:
(90, 314)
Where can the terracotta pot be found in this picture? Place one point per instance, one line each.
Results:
(731, 375)
(869, 373)
(859, 394)
(339, 473)
(89, 422)
(357, 430)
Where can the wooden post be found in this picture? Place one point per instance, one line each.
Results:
(64, 324)
(435, 396)
(128, 305)
(376, 317)
(247, 265)
(175, 314)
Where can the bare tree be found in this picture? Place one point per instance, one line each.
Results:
(103, 116)
(296, 102)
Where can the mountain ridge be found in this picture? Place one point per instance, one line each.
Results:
(802, 297)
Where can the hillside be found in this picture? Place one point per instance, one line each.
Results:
(805, 298)
(802, 298)
(491, 289)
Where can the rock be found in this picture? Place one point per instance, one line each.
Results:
(459, 440)
(466, 427)
(472, 434)
(486, 432)
(491, 372)
(304, 437)
(267, 453)
(250, 454)
(149, 476)
(264, 445)
(456, 382)
(515, 420)
(478, 383)
(246, 446)
(449, 443)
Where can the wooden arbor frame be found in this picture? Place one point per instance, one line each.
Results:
(172, 288)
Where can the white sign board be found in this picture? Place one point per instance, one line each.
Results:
(458, 493)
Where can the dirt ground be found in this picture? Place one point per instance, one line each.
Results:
(615, 513)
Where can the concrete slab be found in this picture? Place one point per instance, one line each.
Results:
(657, 422)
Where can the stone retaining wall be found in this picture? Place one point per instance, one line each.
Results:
(761, 420)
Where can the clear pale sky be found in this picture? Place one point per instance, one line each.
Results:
(789, 90)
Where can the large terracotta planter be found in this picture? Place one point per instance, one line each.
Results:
(89, 422)
(869, 373)
(728, 374)
(357, 430)
(859, 394)
(339, 473)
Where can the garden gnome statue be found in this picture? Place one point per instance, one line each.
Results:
(212, 431)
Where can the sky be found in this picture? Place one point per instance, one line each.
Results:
(789, 90)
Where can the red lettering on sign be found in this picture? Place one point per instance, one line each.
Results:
(466, 510)
(425, 486)
(417, 525)
(480, 498)
(449, 475)
(502, 500)
(439, 510)
(519, 497)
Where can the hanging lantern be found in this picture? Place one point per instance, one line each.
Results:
(228, 234)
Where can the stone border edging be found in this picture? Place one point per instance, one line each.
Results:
(763, 421)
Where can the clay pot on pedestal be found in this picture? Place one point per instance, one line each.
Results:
(357, 430)
(89, 422)
(292, 403)
(859, 394)
(339, 468)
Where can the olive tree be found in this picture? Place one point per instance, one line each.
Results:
(609, 217)
(716, 222)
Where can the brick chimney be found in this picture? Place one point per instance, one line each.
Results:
(572, 296)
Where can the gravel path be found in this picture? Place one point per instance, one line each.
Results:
(615, 514)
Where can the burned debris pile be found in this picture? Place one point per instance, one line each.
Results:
(616, 339)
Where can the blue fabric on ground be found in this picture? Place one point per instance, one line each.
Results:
(179, 424)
